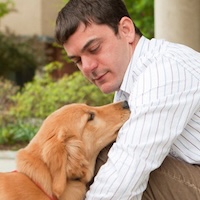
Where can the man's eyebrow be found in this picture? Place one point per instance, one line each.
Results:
(88, 44)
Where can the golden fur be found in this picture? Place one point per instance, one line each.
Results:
(62, 155)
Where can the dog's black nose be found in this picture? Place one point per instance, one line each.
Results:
(125, 105)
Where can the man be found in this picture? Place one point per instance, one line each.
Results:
(157, 152)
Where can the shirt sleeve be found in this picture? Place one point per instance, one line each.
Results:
(161, 103)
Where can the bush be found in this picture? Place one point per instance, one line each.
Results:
(17, 133)
(44, 95)
(27, 108)
(142, 13)
(8, 89)
(12, 130)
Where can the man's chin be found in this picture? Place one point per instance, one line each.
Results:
(106, 89)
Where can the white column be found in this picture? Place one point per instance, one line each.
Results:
(178, 21)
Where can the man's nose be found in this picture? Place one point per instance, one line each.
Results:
(88, 64)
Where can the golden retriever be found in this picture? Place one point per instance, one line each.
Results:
(59, 161)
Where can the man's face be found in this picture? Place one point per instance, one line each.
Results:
(100, 54)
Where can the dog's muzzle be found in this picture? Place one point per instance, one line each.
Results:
(125, 105)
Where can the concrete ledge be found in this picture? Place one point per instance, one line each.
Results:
(7, 160)
(6, 154)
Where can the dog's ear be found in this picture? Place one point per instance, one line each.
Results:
(55, 157)
(64, 155)
(77, 163)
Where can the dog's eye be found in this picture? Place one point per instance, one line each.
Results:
(91, 116)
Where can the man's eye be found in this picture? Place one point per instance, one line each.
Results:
(91, 116)
(94, 49)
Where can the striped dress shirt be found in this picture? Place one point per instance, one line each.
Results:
(162, 86)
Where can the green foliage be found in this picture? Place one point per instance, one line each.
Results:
(56, 65)
(8, 89)
(26, 108)
(12, 130)
(6, 7)
(142, 13)
(18, 132)
(44, 95)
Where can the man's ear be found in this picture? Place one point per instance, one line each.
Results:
(127, 29)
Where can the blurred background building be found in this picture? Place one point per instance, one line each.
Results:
(32, 18)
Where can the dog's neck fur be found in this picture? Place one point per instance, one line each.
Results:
(27, 161)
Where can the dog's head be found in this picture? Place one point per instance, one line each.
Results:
(72, 137)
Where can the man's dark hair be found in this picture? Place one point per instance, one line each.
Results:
(108, 12)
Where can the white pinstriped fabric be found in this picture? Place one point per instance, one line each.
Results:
(162, 86)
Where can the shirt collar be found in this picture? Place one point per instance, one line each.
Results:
(133, 70)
